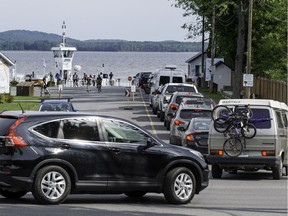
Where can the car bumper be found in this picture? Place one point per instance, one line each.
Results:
(205, 180)
(243, 162)
(15, 182)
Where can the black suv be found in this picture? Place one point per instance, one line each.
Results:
(53, 154)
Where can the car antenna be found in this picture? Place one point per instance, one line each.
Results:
(21, 108)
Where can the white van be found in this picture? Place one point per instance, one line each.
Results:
(169, 74)
(267, 150)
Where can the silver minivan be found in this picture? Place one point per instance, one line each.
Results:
(267, 150)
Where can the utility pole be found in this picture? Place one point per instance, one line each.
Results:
(202, 59)
(212, 69)
(249, 46)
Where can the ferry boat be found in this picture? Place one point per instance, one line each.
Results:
(63, 57)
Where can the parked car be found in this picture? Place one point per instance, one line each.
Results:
(183, 115)
(167, 91)
(195, 136)
(173, 105)
(57, 105)
(54, 154)
(140, 78)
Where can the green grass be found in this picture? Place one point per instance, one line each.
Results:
(26, 103)
(215, 96)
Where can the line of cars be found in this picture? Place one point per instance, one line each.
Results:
(183, 109)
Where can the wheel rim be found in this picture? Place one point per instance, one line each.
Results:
(183, 186)
(233, 147)
(53, 185)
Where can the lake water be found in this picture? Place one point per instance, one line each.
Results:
(122, 64)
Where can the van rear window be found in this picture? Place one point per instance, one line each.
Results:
(261, 118)
(177, 80)
(163, 80)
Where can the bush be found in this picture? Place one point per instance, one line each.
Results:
(6, 98)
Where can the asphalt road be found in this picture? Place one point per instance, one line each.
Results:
(254, 193)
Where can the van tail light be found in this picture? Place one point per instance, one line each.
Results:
(174, 106)
(218, 152)
(178, 122)
(12, 139)
(190, 137)
(268, 153)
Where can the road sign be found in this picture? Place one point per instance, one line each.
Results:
(129, 78)
(133, 88)
(247, 80)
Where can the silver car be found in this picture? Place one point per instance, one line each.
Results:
(167, 91)
(195, 136)
(173, 105)
(185, 113)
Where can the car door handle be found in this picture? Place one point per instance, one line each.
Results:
(115, 150)
(65, 146)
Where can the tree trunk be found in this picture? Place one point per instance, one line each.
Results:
(237, 80)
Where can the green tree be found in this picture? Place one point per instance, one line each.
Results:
(269, 42)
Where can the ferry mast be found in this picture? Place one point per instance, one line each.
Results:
(63, 57)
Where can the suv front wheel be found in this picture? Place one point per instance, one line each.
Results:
(179, 186)
(52, 185)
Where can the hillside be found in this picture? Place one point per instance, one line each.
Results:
(35, 40)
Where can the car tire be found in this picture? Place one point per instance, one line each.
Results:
(277, 171)
(135, 194)
(216, 172)
(52, 185)
(154, 110)
(162, 115)
(12, 194)
(179, 186)
(168, 126)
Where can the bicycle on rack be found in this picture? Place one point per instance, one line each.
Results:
(234, 123)
(228, 119)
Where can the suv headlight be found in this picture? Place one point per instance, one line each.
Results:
(197, 153)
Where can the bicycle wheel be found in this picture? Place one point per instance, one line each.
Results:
(233, 147)
(221, 125)
(248, 131)
(220, 111)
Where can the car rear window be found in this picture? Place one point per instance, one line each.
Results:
(5, 123)
(179, 98)
(192, 113)
(172, 89)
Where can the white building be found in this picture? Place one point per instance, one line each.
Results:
(222, 75)
(5, 63)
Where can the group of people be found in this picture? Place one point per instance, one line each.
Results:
(86, 80)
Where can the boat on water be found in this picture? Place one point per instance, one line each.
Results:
(63, 57)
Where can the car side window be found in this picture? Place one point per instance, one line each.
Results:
(49, 129)
(122, 132)
(279, 120)
(81, 128)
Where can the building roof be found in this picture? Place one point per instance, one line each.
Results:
(220, 63)
(198, 55)
(6, 60)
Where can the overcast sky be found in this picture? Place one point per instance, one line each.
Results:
(134, 20)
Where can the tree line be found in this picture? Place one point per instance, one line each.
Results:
(269, 34)
(111, 46)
